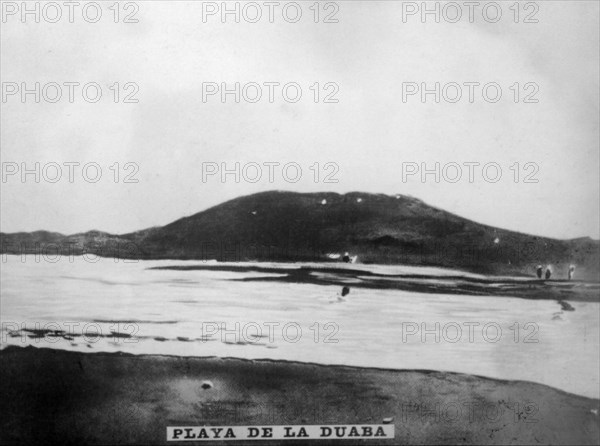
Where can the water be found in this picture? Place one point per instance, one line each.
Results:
(194, 313)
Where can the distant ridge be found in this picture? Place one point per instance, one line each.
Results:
(289, 226)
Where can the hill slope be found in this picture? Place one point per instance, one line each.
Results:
(288, 226)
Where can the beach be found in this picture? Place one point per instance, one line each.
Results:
(152, 345)
(393, 317)
(53, 396)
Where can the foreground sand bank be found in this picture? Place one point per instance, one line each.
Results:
(51, 396)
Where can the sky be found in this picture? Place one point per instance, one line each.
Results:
(372, 139)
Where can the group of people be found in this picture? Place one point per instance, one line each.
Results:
(539, 270)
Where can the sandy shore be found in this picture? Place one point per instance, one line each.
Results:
(51, 396)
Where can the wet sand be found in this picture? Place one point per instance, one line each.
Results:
(52, 396)
(521, 287)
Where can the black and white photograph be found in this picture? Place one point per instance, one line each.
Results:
(348, 222)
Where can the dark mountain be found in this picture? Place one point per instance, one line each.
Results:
(287, 226)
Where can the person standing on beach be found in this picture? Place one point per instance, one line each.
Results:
(571, 271)
(539, 270)
(548, 272)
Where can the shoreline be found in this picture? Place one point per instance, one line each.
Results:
(468, 284)
(589, 274)
(290, 362)
(94, 397)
